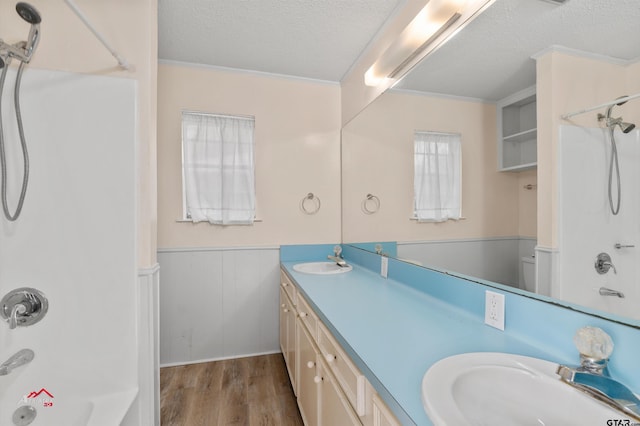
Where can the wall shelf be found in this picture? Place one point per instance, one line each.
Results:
(517, 131)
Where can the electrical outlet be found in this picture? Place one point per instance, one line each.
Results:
(384, 266)
(494, 309)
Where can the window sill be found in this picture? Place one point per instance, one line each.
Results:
(190, 221)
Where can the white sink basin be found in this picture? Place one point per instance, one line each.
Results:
(500, 389)
(321, 268)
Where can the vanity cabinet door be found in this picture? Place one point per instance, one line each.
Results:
(308, 376)
(382, 416)
(288, 335)
(334, 406)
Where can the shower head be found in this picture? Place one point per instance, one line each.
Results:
(627, 127)
(28, 13)
(608, 115)
(31, 15)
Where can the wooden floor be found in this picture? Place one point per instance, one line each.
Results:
(246, 391)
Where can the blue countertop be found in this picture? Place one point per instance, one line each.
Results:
(394, 332)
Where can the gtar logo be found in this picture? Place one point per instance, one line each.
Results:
(42, 397)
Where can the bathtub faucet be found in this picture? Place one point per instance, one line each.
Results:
(20, 358)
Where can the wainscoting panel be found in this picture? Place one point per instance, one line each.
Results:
(493, 259)
(218, 303)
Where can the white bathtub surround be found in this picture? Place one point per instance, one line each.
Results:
(146, 409)
(586, 225)
(76, 242)
(218, 303)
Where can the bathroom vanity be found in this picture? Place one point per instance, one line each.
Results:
(358, 345)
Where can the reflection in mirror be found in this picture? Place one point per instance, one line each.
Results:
(539, 227)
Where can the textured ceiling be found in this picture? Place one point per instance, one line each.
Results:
(317, 39)
(321, 39)
(491, 58)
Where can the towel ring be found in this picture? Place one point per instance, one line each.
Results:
(371, 204)
(316, 204)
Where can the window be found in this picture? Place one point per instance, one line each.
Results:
(218, 168)
(437, 176)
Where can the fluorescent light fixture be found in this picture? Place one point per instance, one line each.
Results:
(429, 23)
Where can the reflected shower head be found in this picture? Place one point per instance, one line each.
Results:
(608, 115)
(626, 127)
(612, 122)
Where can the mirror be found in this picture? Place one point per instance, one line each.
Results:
(457, 89)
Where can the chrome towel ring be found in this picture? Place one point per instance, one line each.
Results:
(310, 204)
(371, 204)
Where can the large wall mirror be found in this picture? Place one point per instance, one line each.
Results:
(590, 54)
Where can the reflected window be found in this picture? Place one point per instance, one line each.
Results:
(437, 176)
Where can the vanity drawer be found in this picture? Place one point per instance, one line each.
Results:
(308, 317)
(289, 288)
(347, 374)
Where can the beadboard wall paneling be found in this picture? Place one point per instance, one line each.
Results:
(218, 303)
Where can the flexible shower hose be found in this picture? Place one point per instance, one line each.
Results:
(614, 157)
(23, 143)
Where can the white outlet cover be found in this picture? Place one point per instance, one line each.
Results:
(384, 266)
(494, 309)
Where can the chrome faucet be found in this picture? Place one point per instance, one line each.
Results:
(604, 291)
(603, 264)
(20, 358)
(592, 376)
(337, 256)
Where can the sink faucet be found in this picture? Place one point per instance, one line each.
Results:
(337, 257)
(592, 376)
(21, 357)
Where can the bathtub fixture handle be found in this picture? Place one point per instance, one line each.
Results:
(22, 357)
(610, 292)
(17, 309)
(603, 264)
(621, 246)
(23, 307)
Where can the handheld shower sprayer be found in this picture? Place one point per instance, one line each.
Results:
(23, 52)
(611, 123)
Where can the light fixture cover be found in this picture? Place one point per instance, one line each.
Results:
(428, 24)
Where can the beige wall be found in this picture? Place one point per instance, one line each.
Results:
(66, 44)
(568, 83)
(297, 137)
(378, 159)
(527, 204)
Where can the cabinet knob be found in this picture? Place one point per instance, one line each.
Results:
(317, 379)
(311, 364)
(303, 314)
(286, 310)
(283, 305)
(284, 284)
(330, 358)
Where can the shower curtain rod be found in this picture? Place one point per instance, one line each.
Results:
(121, 61)
(616, 101)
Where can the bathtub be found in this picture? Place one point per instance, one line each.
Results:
(70, 399)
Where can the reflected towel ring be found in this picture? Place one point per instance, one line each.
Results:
(316, 204)
(371, 204)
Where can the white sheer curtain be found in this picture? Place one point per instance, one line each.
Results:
(218, 168)
(437, 178)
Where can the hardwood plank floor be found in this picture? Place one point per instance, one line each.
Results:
(252, 391)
